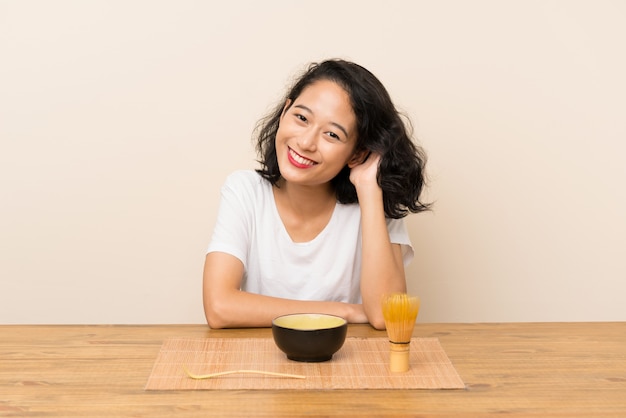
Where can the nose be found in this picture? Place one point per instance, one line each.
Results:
(308, 140)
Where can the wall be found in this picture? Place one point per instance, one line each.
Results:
(120, 119)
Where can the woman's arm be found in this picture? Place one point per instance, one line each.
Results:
(382, 269)
(226, 306)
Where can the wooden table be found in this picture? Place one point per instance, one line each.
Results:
(513, 369)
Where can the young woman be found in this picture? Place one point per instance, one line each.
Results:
(318, 227)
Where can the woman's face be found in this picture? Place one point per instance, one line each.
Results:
(317, 134)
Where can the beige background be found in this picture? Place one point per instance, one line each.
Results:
(119, 121)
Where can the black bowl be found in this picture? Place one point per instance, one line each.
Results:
(309, 337)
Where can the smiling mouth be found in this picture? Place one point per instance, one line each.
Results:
(299, 161)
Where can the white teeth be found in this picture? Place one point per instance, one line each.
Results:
(300, 159)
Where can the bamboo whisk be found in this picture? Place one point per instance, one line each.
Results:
(400, 311)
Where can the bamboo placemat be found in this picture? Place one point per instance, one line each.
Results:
(362, 363)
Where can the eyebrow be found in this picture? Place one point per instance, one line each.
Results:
(335, 124)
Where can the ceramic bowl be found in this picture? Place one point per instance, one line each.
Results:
(309, 337)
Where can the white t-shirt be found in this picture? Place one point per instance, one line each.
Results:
(327, 268)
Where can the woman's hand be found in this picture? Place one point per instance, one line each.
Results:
(364, 174)
(357, 314)
(226, 306)
(382, 268)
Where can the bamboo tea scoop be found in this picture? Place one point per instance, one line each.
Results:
(212, 375)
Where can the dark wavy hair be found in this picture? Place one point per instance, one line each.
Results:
(380, 129)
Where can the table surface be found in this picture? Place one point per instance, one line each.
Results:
(515, 369)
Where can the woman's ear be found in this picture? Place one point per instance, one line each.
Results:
(358, 157)
(288, 103)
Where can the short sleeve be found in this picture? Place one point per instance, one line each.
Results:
(231, 233)
(398, 234)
